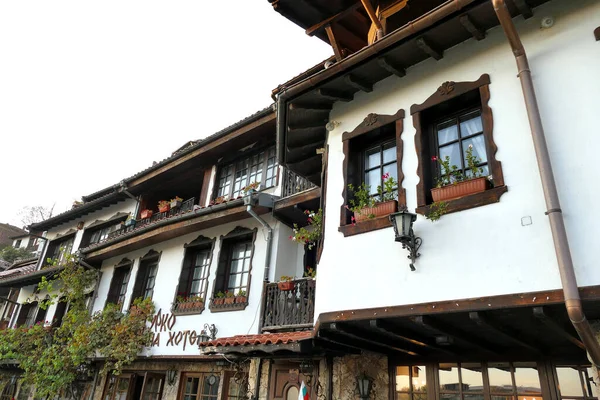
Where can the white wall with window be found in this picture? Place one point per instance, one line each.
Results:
(491, 249)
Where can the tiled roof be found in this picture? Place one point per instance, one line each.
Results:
(18, 272)
(254, 340)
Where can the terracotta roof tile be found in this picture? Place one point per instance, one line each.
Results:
(267, 338)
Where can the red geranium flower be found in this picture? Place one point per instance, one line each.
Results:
(433, 158)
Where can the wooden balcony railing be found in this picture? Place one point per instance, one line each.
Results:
(185, 207)
(289, 309)
(294, 183)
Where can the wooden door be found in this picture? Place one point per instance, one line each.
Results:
(286, 380)
(118, 387)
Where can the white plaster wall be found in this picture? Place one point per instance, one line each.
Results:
(289, 255)
(172, 254)
(23, 244)
(482, 251)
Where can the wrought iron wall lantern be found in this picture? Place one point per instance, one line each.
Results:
(208, 333)
(402, 221)
(365, 384)
(171, 375)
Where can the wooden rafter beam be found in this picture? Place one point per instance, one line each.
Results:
(358, 83)
(390, 330)
(471, 27)
(428, 49)
(391, 66)
(337, 50)
(524, 8)
(502, 332)
(541, 314)
(321, 25)
(334, 95)
(373, 15)
(360, 336)
(440, 328)
(311, 107)
(351, 348)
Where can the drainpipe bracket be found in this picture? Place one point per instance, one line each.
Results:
(553, 210)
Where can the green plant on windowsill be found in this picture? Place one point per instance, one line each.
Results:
(451, 175)
(310, 273)
(251, 186)
(309, 236)
(361, 199)
(220, 295)
(389, 191)
(436, 210)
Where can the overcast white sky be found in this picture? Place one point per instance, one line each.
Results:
(93, 92)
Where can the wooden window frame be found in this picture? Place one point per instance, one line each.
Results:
(227, 376)
(88, 235)
(152, 257)
(224, 261)
(231, 162)
(448, 91)
(200, 375)
(369, 124)
(201, 243)
(124, 263)
(55, 245)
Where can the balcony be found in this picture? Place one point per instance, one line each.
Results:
(292, 309)
(297, 194)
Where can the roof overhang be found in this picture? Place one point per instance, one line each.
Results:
(29, 278)
(303, 109)
(263, 344)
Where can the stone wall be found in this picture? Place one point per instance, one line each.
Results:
(596, 328)
(347, 369)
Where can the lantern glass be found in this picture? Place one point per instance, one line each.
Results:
(364, 386)
(403, 224)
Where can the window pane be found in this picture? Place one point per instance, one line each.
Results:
(496, 397)
(471, 124)
(449, 377)
(592, 385)
(419, 396)
(452, 151)
(500, 379)
(569, 382)
(449, 396)
(402, 396)
(389, 152)
(527, 380)
(373, 179)
(478, 143)
(447, 132)
(474, 396)
(372, 158)
(391, 169)
(402, 379)
(472, 377)
(419, 379)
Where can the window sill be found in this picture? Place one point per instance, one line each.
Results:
(188, 311)
(490, 196)
(227, 307)
(366, 226)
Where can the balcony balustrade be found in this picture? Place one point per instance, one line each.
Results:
(291, 309)
(294, 183)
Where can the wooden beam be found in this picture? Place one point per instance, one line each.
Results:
(469, 25)
(337, 51)
(388, 329)
(309, 124)
(391, 66)
(358, 83)
(374, 19)
(428, 49)
(524, 8)
(321, 25)
(541, 314)
(441, 328)
(502, 332)
(311, 107)
(334, 95)
(297, 137)
(352, 349)
(357, 335)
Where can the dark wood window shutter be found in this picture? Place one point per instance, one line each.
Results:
(41, 315)
(115, 286)
(220, 284)
(186, 273)
(140, 282)
(61, 309)
(23, 314)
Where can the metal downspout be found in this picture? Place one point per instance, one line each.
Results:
(269, 240)
(554, 212)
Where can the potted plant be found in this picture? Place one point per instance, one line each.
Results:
(163, 206)
(454, 184)
(312, 235)
(252, 187)
(219, 298)
(130, 221)
(241, 297)
(229, 297)
(218, 200)
(285, 283)
(196, 302)
(364, 206)
(144, 214)
(310, 274)
(175, 202)
(181, 302)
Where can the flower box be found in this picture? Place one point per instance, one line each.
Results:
(460, 189)
(378, 210)
(229, 300)
(146, 214)
(285, 286)
(130, 222)
(197, 305)
(175, 203)
(241, 299)
(164, 208)
(219, 301)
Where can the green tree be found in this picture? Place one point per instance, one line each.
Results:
(12, 254)
(53, 358)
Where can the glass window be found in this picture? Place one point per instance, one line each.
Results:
(411, 382)
(61, 249)
(258, 168)
(455, 135)
(379, 161)
(118, 285)
(200, 386)
(461, 381)
(239, 266)
(236, 386)
(575, 382)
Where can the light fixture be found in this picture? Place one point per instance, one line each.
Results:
(365, 384)
(171, 375)
(208, 333)
(402, 221)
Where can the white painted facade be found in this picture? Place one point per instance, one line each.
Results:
(21, 242)
(482, 251)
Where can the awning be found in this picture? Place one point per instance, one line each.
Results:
(268, 343)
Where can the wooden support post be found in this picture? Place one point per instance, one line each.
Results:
(337, 51)
(428, 49)
(373, 16)
(313, 30)
(470, 27)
